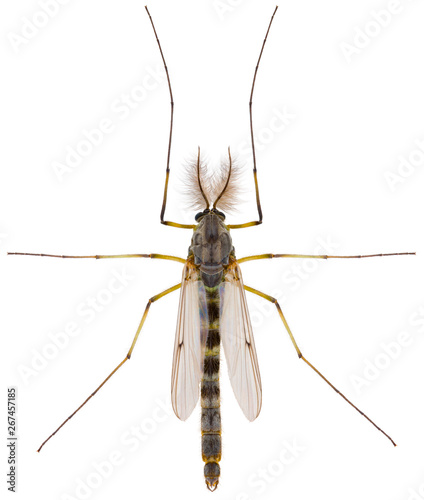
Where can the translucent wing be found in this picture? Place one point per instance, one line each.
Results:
(189, 347)
(239, 346)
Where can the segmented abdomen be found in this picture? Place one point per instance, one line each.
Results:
(210, 400)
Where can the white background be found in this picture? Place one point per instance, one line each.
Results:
(323, 177)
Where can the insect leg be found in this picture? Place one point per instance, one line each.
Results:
(255, 177)
(127, 357)
(280, 255)
(280, 312)
(124, 256)
(165, 192)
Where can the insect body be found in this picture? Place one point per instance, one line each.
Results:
(212, 307)
(212, 283)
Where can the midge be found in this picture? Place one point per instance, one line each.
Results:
(212, 307)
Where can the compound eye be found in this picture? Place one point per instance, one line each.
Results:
(221, 214)
(201, 214)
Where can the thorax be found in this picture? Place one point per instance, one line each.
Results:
(211, 246)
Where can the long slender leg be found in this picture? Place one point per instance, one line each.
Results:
(280, 312)
(127, 357)
(280, 255)
(165, 192)
(124, 256)
(255, 177)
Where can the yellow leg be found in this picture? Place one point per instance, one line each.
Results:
(176, 224)
(301, 256)
(127, 357)
(123, 256)
(280, 312)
